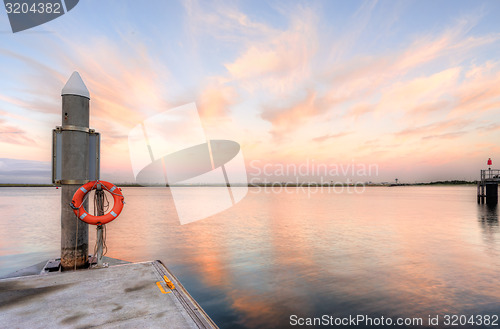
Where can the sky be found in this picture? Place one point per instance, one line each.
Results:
(411, 88)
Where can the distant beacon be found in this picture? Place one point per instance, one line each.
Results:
(489, 162)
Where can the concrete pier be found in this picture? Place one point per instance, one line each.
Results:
(134, 295)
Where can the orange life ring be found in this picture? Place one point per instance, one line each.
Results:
(82, 214)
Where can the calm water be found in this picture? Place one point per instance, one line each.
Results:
(392, 252)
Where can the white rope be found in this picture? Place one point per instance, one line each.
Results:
(101, 205)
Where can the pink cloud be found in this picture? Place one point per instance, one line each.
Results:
(330, 136)
(480, 90)
(286, 119)
(358, 111)
(432, 128)
(215, 101)
(387, 79)
(281, 60)
(13, 135)
(408, 95)
(449, 135)
(429, 107)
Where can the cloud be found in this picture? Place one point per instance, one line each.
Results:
(39, 88)
(489, 127)
(24, 171)
(388, 80)
(330, 136)
(480, 91)
(14, 135)
(408, 95)
(215, 101)
(126, 82)
(433, 130)
(280, 61)
(357, 25)
(287, 119)
(124, 85)
(450, 135)
(429, 107)
(371, 72)
(359, 110)
(221, 21)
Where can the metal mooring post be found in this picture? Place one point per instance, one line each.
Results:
(74, 171)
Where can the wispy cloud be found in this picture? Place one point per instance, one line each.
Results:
(391, 80)
(280, 60)
(14, 135)
(359, 110)
(405, 96)
(330, 136)
(480, 91)
(351, 34)
(433, 129)
(450, 135)
(24, 171)
(215, 101)
(222, 21)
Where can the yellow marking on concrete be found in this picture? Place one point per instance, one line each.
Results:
(158, 283)
(168, 282)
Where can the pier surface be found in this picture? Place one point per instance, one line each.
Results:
(134, 295)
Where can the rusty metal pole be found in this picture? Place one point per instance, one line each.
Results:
(74, 171)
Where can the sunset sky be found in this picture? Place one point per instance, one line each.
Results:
(411, 86)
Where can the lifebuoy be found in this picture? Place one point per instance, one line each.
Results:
(82, 214)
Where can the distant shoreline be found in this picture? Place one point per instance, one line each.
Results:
(275, 184)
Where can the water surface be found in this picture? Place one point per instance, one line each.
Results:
(389, 251)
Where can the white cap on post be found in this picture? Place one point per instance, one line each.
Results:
(75, 86)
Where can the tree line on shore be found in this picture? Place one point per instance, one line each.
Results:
(274, 184)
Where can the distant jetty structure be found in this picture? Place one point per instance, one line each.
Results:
(487, 187)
